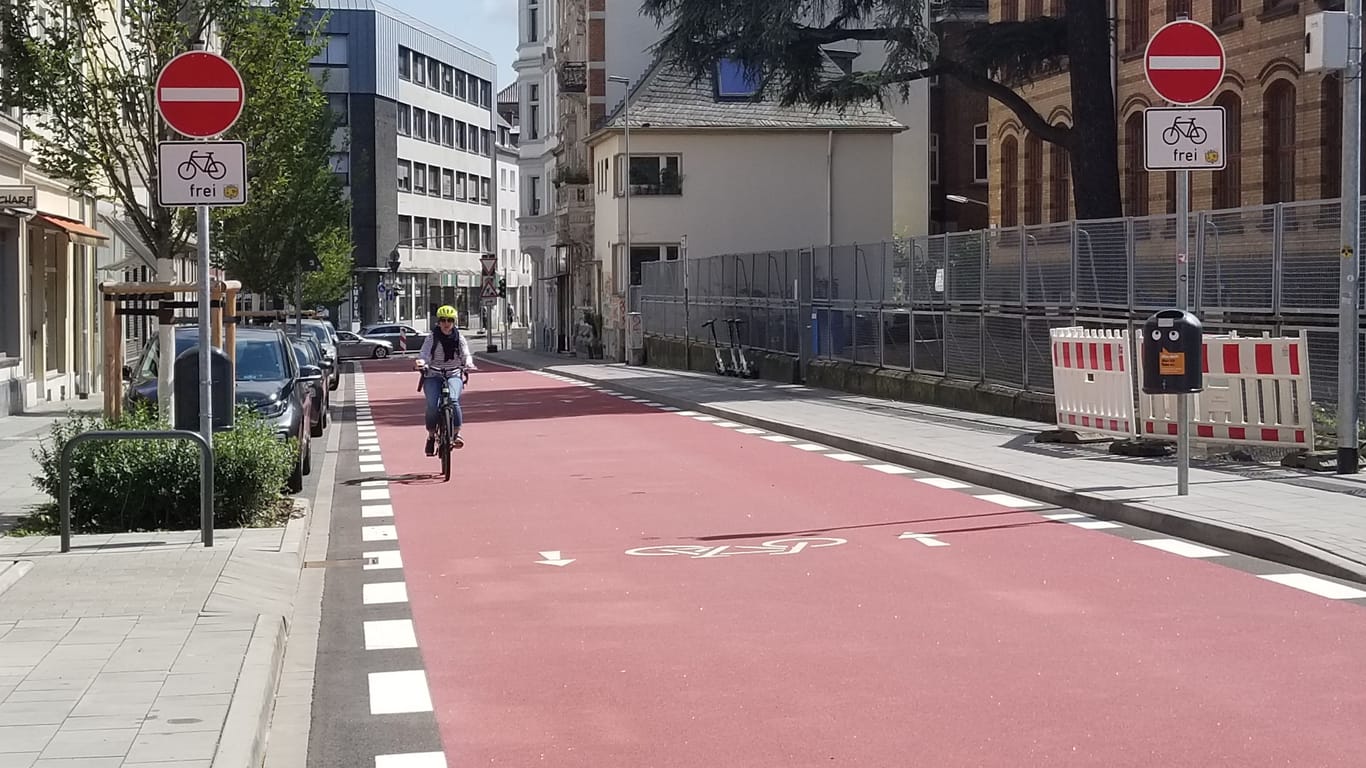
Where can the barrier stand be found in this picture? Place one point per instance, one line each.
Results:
(205, 474)
(1256, 393)
(1093, 386)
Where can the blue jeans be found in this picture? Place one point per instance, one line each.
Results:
(431, 387)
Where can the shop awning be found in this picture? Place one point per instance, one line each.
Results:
(77, 232)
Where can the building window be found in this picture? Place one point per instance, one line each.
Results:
(448, 235)
(533, 28)
(333, 53)
(1135, 25)
(1135, 175)
(448, 132)
(1010, 182)
(434, 74)
(447, 80)
(337, 105)
(1060, 184)
(404, 64)
(981, 159)
(405, 227)
(652, 175)
(341, 167)
(419, 69)
(1226, 10)
(419, 124)
(433, 181)
(448, 183)
(433, 127)
(1178, 8)
(1330, 142)
(1278, 132)
(462, 236)
(405, 176)
(1033, 213)
(487, 245)
(934, 158)
(1227, 191)
(645, 254)
(735, 81)
(485, 185)
(405, 120)
(419, 178)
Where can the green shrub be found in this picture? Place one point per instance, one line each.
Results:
(140, 485)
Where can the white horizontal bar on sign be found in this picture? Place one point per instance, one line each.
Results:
(199, 94)
(1183, 62)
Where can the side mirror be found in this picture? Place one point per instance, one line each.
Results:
(127, 373)
(310, 373)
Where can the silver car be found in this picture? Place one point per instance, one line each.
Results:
(393, 332)
(351, 345)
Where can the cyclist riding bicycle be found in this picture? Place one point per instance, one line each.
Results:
(445, 348)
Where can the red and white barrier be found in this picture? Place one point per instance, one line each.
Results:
(1093, 384)
(1256, 393)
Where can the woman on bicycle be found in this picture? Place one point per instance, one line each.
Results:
(444, 348)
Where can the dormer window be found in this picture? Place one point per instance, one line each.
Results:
(735, 81)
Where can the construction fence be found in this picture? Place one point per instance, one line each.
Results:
(979, 306)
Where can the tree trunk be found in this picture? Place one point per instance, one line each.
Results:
(1094, 150)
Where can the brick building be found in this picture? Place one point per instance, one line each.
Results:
(958, 133)
(1283, 135)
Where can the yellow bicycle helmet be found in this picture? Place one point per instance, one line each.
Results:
(445, 312)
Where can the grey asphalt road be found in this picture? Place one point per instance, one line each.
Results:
(344, 733)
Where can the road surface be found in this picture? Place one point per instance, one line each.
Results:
(608, 582)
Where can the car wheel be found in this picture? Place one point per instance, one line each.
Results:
(380, 353)
(295, 483)
(316, 430)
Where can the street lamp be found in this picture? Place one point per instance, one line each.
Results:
(626, 262)
(963, 200)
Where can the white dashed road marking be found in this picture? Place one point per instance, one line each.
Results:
(1314, 585)
(1182, 548)
(394, 693)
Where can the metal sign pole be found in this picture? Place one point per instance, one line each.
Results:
(205, 379)
(1349, 394)
(1183, 430)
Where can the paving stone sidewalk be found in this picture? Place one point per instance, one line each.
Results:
(141, 649)
(1312, 521)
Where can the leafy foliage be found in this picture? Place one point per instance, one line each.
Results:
(786, 41)
(84, 71)
(295, 207)
(154, 484)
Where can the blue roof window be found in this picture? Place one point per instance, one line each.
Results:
(735, 81)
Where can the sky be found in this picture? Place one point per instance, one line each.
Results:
(492, 26)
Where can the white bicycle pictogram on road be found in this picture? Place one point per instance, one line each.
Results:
(775, 547)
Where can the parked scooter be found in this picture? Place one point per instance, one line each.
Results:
(722, 369)
(739, 365)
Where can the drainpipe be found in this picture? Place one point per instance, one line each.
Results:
(1114, 60)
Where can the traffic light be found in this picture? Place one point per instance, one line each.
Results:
(502, 287)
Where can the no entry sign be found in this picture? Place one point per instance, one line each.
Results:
(1184, 62)
(199, 94)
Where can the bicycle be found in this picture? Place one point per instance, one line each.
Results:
(201, 161)
(445, 422)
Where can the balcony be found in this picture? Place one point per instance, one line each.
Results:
(573, 77)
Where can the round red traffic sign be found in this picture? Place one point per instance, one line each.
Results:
(1184, 62)
(199, 94)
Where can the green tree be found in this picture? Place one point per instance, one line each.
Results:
(783, 40)
(84, 71)
(295, 209)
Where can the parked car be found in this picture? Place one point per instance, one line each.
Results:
(268, 379)
(353, 345)
(319, 359)
(326, 336)
(393, 332)
(307, 353)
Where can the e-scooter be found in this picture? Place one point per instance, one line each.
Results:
(740, 365)
(721, 368)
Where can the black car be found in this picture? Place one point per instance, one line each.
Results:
(268, 378)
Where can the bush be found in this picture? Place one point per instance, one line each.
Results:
(140, 485)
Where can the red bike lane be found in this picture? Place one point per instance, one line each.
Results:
(1021, 641)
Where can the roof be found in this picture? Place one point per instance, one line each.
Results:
(668, 97)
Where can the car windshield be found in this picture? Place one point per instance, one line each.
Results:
(260, 360)
(320, 333)
(302, 355)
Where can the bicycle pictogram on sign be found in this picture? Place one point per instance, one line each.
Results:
(1184, 128)
(201, 161)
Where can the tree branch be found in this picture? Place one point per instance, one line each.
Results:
(1029, 117)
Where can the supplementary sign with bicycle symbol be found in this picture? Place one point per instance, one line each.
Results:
(206, 173)
(1183, 138)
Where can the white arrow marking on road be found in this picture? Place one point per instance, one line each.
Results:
(553, 558)
(927, 539)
